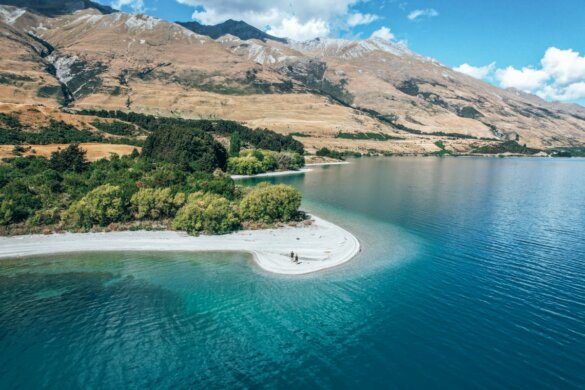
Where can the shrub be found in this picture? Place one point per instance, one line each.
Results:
(218, 183)
(246, 165)
(165, 175)
(101, 206)
(326, 152)
(17, 202)
(157, 203)
(256, 161)
(289, 161)
(269, 162)
(209, 213)
(268, 203)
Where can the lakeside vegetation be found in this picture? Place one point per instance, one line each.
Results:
(506, 147)
(252, 162)
(178, 182)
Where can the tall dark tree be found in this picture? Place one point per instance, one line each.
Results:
(70, 159)
(235, 144)
(192, 149)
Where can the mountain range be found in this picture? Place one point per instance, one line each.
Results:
(344, 94)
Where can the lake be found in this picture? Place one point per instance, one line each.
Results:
(472, 275)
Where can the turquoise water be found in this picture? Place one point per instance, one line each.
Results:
(472, 275)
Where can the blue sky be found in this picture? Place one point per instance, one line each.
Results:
(537, 46)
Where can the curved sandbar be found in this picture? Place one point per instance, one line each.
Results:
(319, 246)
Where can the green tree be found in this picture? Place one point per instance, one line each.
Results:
(70, 159)
(289, 161)
(246, 165)
(191, 149)
(156, 203)
(235, 144)
(271, 203)
(101, 206)
(209, 213)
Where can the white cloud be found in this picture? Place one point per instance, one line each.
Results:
(135, 5)
(359, 18)
(479, 72)
(525, 79)
(297, 19)
(294, 29)
(565, 66)
(561, 76)
(383, 33)
(419, 13)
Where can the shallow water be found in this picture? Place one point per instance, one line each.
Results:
(472, 274)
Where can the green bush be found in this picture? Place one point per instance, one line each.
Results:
(256, 161)
(286, 161)
(156, 203)
(17, 202)
(326, 152)
(218, 183)
(209, 213)
(268, 203)
(101, 206)
(246, 165)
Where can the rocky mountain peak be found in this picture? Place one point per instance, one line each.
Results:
(58, 7)
(237, 28)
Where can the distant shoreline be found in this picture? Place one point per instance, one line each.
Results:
(286, 173)
(320, 246)
(268, 174)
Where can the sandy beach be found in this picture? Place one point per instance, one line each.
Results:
(327, 163)
(286, 173)
(268, 174)
(320, 246)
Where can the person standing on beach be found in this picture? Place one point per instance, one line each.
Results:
(296, 258)
(292, 256)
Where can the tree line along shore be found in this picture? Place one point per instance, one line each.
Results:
(179, 181)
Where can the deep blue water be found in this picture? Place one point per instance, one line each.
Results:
(472, 275)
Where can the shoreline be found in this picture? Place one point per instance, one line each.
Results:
(268, 174)
(320, 246)
(286, 173)
(327, 163)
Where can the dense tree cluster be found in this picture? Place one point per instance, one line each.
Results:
(269, 203)
(13, 132)
(37, 192)
(209, 213)
(505, 147)
(251, 162)
(326, 152)
(255, 138)
(193, 149)
(177, 181)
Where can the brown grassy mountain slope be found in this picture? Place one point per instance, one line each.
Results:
(319, 88)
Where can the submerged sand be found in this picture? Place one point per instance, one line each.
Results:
(319, 246)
